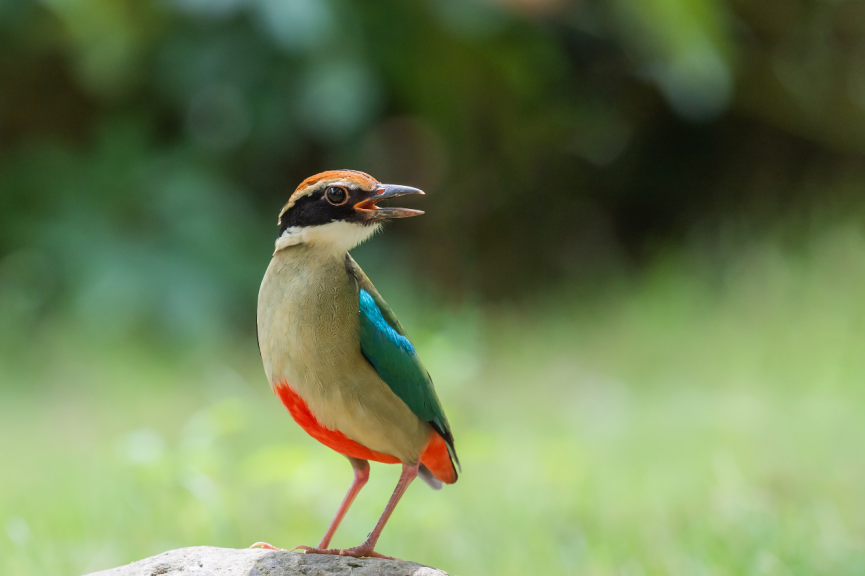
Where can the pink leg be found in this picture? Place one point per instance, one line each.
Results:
(409, 473)
(361, 476)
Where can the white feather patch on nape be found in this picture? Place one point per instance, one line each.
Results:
(337, 236)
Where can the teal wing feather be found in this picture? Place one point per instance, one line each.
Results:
(384, 344)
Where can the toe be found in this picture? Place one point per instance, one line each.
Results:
(363, 552)
(356, 552)
(311, 550)
(266, 546)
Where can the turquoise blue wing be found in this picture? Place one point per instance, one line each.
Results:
(385, 345)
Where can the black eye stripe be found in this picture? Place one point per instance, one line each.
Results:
(315, 210)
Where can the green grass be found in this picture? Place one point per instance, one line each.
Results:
(705, 418)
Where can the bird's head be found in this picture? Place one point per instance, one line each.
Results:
(338, 209)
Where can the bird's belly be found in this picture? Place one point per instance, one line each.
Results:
(333, 439)
(364, 420)
(344, 394)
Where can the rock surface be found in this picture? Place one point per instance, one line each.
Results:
(210, 561)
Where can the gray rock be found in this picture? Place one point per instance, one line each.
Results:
(210, 561)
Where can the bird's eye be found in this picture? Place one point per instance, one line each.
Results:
(336, 195)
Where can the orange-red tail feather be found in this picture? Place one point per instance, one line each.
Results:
(436, 458)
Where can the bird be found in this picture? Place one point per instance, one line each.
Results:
(335, 353)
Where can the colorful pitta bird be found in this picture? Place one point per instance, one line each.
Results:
(335, 353)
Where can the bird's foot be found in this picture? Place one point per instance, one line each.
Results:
(362, 551)
(266, 546)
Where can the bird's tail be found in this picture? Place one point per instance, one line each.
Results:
(436, 460)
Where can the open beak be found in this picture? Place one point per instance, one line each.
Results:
(385, 191)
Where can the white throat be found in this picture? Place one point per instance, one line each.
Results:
(338, 237)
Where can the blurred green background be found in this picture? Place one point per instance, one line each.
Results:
(639, 284)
